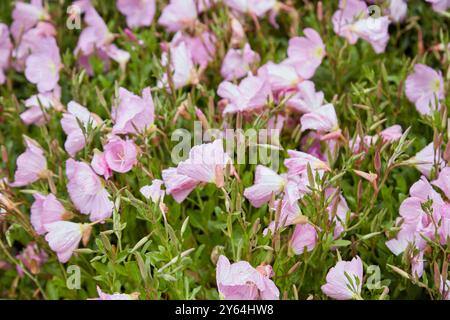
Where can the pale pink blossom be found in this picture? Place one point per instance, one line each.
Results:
(32, 258)
(97, 39)
(348, 13)
(425, 88)
(120, 155)
(202, 48)
(267, 184)
(298, 162)
(178, 185)
(63, 237)
(375, 31)
(37, 39)
(240, 281)
(282, 76)
(43, 65)
(5, 51)
(37, 105)
(45, 210)
(398, 9)
(252, 7)
(322, 119)
(131, 113)
(238, 62)
(344, 280)
(206, 163)
(31, 165)
(178, 15)
(114, 296)
(443, 181)
(181, 66)
(99, 164)
(139, 13)
(338, 211)
(439, 5)
(70, 122)
(392, 133)
(426, 159)
(352, 22)
(305, 98)
(26, 16)
(306, 53)
(237, 32)
(153, 191)
(94, 35)
(251, 94)
(87, 192)
(303, 239)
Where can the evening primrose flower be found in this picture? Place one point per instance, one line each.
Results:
(344, 280)
(87, 192)
(240, 281)
(425, 88)
(267, 183)
(63, 237)
(139, 13)
(31, 165)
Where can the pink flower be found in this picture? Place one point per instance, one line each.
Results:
(398, 9)
(344, 281)
(392, 133)
(374, 31)
(114, 296)
(31, 165)
(252, 93)
(237, 63)
(43, 65)
(424, 87)
(252, 7)
(178, 185)
(100, 165)
(26, 16)
(351, 21)
(76, 114)
(298, 162)
(439, 5)
(337, 211)
(267, 183)
(87, 192)
(96, 39)
(153, 191)
(132, 112)
(38, 39)
(120, 155)
(443, 181)
(426, 158)
(201, 48)
(206, 163)
(139, 13)
(45, 210)
(303, 238)
(178, 14)
(240, 281)
(344, 18)
(5, 51)
(306, 53)
(39, 102)
(63, 237)
(181, 67)
(305, 99)
(95, 35)
(282, 77)
(322, 119)
(32, 258)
